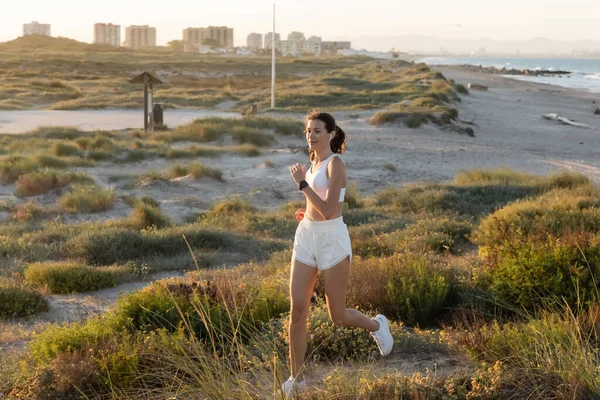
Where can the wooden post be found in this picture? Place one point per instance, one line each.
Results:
(150, 107)
(146, 103)
(148, 80)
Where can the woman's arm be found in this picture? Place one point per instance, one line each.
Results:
(337, 179)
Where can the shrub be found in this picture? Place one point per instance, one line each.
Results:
(504, 176)
(460, 88)
(20, 301)
(36, 183)
(532, 273)
(27, 212)
(66, 338)
(195, 169)
(435, 234)
(87, 199)
(404, 287)
(352, 199)
(12, 167)
(147, 215)
(118, 244)
(234, 205)
(251, 135)
(415, 120)
(217, 307)
(71, 277)
(472, 200)
(546, 352)
(556, 214)
(64, 149)
(100, 155)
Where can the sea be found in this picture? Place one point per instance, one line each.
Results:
(585, 73)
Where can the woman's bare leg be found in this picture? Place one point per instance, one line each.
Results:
(336, 286)
(302, 284)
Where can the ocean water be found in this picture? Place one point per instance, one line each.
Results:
(585, 73)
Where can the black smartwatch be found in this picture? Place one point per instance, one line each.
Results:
(302, 185)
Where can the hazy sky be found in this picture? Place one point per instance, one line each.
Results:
(330, 19)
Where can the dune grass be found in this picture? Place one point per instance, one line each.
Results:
(36, 183)
(87, 199)
(71, 277)
(415, 259)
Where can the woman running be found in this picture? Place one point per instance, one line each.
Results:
(322, 243)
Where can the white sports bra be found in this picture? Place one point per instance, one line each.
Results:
(318, 180)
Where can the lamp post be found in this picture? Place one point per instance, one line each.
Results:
(273, 61)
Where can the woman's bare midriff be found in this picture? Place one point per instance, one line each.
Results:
(314, 215)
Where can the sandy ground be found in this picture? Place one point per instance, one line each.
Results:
(90, 120)
(510, 132)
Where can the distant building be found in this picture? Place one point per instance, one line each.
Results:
(255, 41)
(333, 47)
(296, 36)
(107, 34)
(315, 39)
(35, 28)
(269, 40)
(139, 36)
(222, 35)
(298, 47)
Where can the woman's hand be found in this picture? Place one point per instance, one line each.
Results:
(298, 172)
(300, 214)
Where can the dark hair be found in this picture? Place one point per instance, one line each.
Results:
(338, 142)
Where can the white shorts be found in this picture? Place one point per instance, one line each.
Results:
(322, 244)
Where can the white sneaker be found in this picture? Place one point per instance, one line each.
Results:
(383, 337)
(292, 387)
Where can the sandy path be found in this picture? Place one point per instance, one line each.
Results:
(90, 120)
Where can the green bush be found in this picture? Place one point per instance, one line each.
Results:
(71, 277)
(234, 205)
(556, 214)
(251, 135)
(41, 182)
(504, 176)
(411, 289)
(67, 338)
(87, 199)
(546, 351)
(119, 244)
(460, 88)
(146, 216)
(217, 307)
(11, 167)
(415, 120)
(64, 149)
(195, 169)
(535, 273)
(431, 234)
(353, 198)
(20, 301)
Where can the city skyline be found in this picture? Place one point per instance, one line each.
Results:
(511, 20)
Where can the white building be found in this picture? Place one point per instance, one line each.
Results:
(297, 48)
(221, 36)
(296, 36)
(269, 40)
(35, 28)
(255, 41)
(137, 37)
(107, 34)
